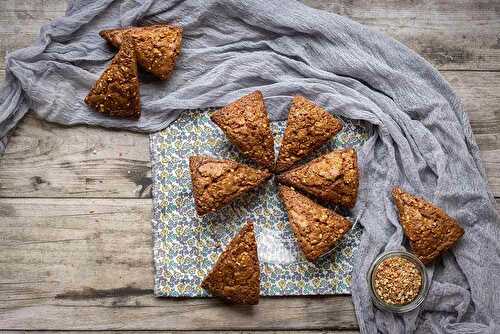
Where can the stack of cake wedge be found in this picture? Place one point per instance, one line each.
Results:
(154, 48)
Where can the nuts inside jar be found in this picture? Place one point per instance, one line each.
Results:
(397, 281)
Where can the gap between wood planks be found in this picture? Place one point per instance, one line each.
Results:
(70, 254)
(90, 261)
(187, 332)
(460, 34)
(48, 160)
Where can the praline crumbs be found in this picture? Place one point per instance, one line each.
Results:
(157, 46)
(430, 230)
(308, 127)
(332, 177)
(316, 228)
(235, 276)
(246, 123)
(116, 92)
(397, 281)
(217, 182)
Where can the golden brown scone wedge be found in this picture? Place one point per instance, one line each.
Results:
(316, 228)
(116, 36)
(116, 92)
(332, 177)
(235, 276)
(430, 230)
(308, 128)
(218, 182)
(246, 123)
(157, 46)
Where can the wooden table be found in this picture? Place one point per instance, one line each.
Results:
(75, 202)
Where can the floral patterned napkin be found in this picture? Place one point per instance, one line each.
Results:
(186, 246)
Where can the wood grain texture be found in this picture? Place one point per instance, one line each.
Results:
(69, 264)
(75, 235)
(21, 20)
(138, 312)
(47, 160)
(480, 94)
(90, 261)
(194, 332)
(451, 34)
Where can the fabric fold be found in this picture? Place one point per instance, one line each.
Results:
(422, 140)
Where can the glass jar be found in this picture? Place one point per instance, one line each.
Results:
(396, 308)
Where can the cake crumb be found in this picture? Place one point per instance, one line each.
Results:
(397, 281)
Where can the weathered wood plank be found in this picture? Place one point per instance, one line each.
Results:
(79, 264)
(69, 263)
(47, 160)
(480, 94)
(33, 6)
(75, 263)
(198, 332)
(451, 34)
(491, 162)
(150, 313)
(21, 20)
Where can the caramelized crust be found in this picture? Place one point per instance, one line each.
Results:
(316, 228)
(245, 122)
(116, 92)
(333, 177)
(218, 182)
(236, 274)
(430, 230)
(308, 128)
(157, 46)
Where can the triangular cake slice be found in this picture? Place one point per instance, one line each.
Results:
(218, 182)
(246, 123)
(332, 177)
(236, 274)
(308, 128)
(116, 92)
(430, 230)
(157, 46)
(316, 228)
(116, 36)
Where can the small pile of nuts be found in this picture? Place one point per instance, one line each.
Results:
(397, 281)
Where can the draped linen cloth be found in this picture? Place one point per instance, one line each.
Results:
(422, 139)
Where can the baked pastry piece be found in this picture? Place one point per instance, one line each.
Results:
(218, 182)
(157, 46)
(332, 177)
(236, 274)
(246, 123)
(316, 228)
(116, 36)
(116, 92)
(430, 230)
(308, 128)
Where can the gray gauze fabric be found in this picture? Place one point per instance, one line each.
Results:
(421, 139)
